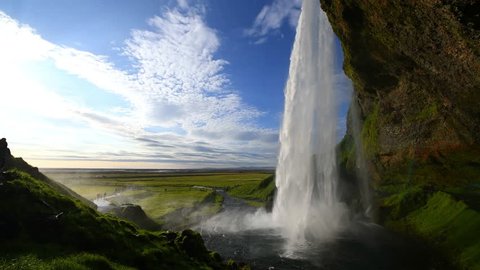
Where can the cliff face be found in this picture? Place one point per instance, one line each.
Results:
(415, 67)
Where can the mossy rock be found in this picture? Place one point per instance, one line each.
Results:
(448, 225)
(191, 243)
(414, 67)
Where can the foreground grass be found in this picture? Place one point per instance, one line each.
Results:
(81, 261)
(40, 226)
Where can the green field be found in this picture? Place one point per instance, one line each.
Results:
(255, 194)
(164, 195)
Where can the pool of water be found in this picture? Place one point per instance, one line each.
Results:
(233, 234)
(364, 248)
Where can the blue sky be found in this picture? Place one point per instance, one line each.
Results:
(147, 84)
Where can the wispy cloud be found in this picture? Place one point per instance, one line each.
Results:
(272, 17)
(176, 83)
(183, 4)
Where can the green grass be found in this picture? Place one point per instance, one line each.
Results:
(256, 194)
(163, 194)
(40, 225)
(91, 191)
(159, 179)
(163, 201)
(81, 261)
(450, 225)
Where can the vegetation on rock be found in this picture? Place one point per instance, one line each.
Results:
(414, 67)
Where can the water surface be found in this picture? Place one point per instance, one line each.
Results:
(235, 234)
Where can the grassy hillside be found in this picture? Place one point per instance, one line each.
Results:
(41, 227)
(7, 161)
(258, 194)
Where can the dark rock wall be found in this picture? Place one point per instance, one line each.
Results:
(415, 67)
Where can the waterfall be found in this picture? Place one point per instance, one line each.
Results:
(307, 206)
(361, 169)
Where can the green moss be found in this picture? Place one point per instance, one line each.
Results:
(232, 265)
(455, 169)
(369, 132)
(346, 153)
(404, 201)
(429, 112)
(449, 225)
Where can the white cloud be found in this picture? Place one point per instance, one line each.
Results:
(183, 80)
(20, 43)
(177, 82)
(272, 17)
(182, 4)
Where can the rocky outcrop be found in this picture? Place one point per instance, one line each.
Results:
(8, 162)
(4, 152)
(135, 214)
(414, 66)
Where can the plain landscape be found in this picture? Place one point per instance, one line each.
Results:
(176, 199)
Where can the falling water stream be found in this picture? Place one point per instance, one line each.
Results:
(309, 228)
(307, 205)
(361, 169)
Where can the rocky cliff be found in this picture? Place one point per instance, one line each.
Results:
(415, 68)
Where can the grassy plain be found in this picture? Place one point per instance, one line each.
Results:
(160, 193)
